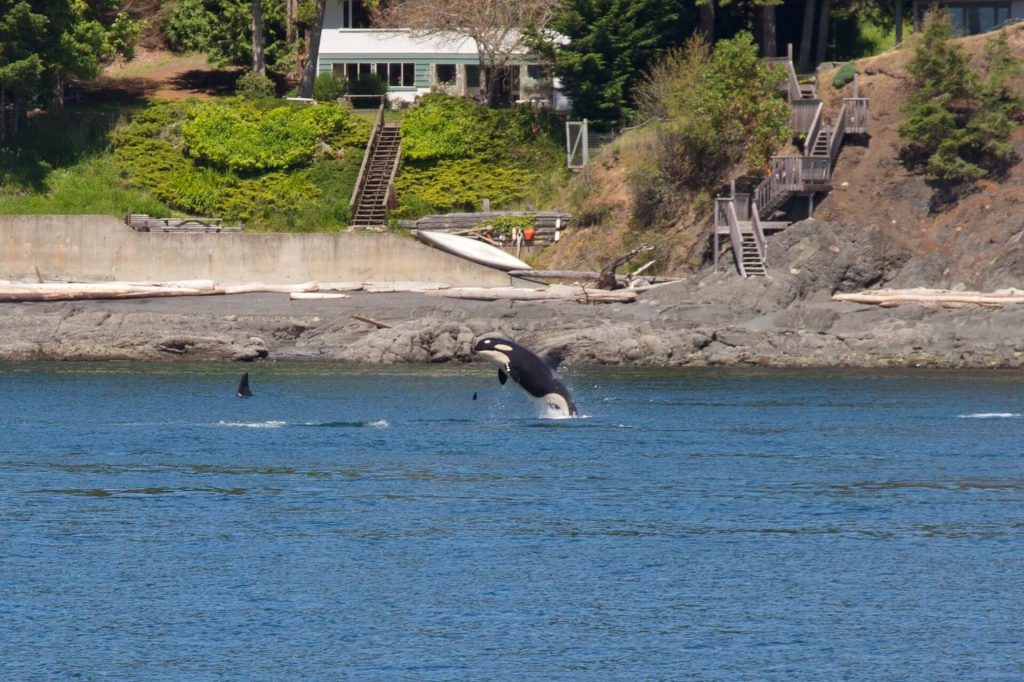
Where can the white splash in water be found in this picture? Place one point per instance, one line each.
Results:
(990, 415)
(379, 424)
(253, 425)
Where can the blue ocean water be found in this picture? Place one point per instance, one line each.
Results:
(380, 524)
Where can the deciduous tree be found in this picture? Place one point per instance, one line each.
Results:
(499, 28)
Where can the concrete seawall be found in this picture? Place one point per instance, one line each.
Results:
(103, 248)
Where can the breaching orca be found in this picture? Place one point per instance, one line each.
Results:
(529, 370)
(243, 387)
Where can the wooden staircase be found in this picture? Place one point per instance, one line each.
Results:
(793, 175)
(753, 262)
(374, 192)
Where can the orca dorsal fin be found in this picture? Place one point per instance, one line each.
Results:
(502, 377)
(553, 357)
(243, 387)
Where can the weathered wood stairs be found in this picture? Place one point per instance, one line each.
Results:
(374, 192)
(744, 218)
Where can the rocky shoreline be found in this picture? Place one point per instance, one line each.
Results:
(658, 331)
(785, 320)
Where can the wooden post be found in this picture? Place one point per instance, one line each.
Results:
(486, 205)
(810, 205)
(856, 86)
(716, 248)
(586, 142)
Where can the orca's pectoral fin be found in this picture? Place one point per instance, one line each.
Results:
(502, 377)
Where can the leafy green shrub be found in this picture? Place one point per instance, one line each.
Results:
(461, 184)
(844, 75)
(458, 152)
(507, 224)
(328, 87)
(715, 109)
(241, 138)
(255, 85)
(443, 127)
(153, 152)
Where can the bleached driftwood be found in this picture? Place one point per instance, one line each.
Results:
(941, 297)
(315, 295)
(395, 287)
(75, 291)
(555, 292)
(341, 286)
(262, 288)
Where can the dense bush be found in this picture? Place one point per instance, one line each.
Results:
(457, 152)
(255, 85)
(240, 137)
(328, 87)
(713, 110)
(368, 84)
(236, 161)
(845, 74)
(958, 126)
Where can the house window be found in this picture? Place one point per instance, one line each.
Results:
(534, 71)
(396, 74)
(445, 73)
(973, 18)
(472, 75)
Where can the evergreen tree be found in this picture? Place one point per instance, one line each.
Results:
(45, 42)
(611, 45)
(957, 128)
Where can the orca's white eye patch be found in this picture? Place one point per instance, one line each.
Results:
(503, 347)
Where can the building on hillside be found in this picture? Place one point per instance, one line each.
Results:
(970, 17)
(415, 65)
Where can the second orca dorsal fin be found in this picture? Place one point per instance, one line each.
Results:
(502, 377)
(243, 387)
(553, 357)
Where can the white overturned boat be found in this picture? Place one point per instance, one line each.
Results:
(472, 249)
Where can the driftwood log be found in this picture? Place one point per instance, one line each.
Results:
(607, 278)
(941, 297)
(555, 292)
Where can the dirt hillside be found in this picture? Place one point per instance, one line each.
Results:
(975, 243)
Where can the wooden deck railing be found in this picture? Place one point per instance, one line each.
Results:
(378, 124)
(857, 114)
(804, 113)
(391, 197)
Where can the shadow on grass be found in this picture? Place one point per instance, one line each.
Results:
(51, 140)
(212, 82)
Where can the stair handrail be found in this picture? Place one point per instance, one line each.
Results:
(378, 124)
(791, 85)
(762, 245)
(736, 237)
(836, 141)
(390, 200)
(814, 130)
